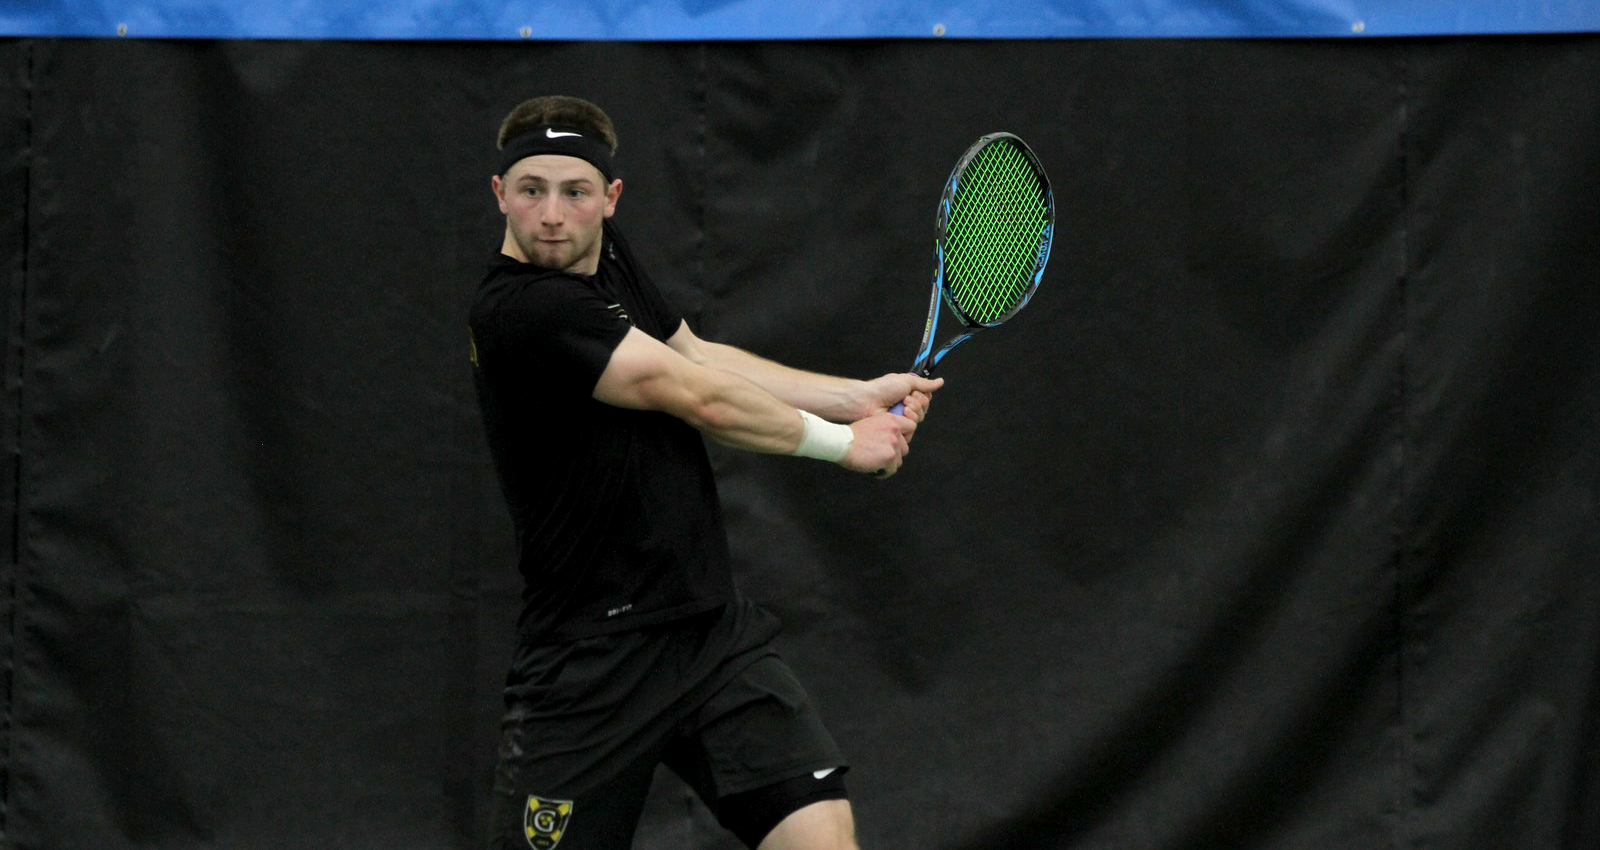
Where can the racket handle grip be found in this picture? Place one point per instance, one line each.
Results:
(899, 408)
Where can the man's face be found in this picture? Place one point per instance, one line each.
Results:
(555, 207)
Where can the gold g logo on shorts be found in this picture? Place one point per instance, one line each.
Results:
(545, 821)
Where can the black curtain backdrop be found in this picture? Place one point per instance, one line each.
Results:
(1272, 523)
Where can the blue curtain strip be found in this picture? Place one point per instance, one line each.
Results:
(696, 20)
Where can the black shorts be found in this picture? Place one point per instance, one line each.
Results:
(589, 720)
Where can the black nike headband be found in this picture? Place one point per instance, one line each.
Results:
(563, 141)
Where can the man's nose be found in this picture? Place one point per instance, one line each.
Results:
(550, 209)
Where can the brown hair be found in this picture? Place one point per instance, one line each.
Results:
(560, 110)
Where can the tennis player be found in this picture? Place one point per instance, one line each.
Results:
(635, 647)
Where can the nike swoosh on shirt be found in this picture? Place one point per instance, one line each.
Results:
(550, 133)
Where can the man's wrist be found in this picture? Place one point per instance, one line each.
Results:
(824, 440)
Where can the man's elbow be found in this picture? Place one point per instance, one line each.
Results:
(699, 404)
(707, 412)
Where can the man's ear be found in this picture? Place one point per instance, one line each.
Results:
(498, 188)
(613, 192)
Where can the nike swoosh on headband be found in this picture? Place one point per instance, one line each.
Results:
(552, 133)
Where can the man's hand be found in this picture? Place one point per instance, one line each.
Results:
(883, 439)
(894, 388)
(880, 444)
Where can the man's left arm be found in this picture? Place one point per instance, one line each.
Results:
(834, 398)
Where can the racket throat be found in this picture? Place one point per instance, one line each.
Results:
(926, 370)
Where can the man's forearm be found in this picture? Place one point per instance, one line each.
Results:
(834, 398)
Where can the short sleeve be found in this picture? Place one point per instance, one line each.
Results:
(554, 330)
(658, 316)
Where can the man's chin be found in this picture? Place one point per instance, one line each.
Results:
(559, 256)
(548, 257)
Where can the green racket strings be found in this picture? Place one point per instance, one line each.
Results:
(996, 225)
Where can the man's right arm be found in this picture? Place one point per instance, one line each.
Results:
(647, 374)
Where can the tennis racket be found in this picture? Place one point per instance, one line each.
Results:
(995, 222)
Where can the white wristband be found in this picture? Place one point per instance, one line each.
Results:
(824, 440)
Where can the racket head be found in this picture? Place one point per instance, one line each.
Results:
(996, 220)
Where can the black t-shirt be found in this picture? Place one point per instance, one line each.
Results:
(616, 514)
